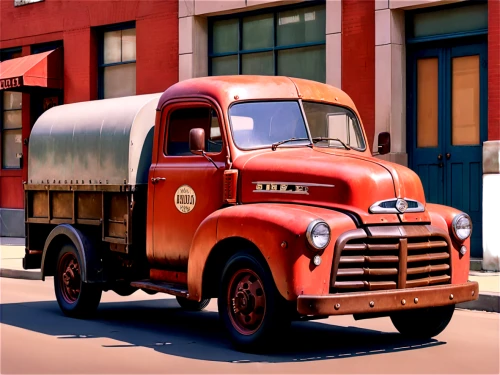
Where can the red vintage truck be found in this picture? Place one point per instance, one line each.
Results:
(261, 192)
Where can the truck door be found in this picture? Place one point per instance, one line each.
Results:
(187, 187)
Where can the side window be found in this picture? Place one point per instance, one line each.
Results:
(214, 139)
(181, 122)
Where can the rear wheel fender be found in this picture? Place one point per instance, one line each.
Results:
(91, 267)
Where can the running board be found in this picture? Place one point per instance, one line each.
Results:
(162, 286)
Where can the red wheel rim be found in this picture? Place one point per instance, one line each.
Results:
(246, 301)
(69, 277)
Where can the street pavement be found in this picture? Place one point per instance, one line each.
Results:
(151, 334)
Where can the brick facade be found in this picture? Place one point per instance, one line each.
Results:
(358, 59)
(76, 24)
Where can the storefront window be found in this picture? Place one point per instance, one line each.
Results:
(11, 130)
(287, 42)
(118, 63)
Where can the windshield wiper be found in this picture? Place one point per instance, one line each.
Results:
(274, 145)
(319, 139)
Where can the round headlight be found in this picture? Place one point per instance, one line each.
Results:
(318, 234)
(462, 226)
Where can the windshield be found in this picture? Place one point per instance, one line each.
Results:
(333, 122)
(261, 124)
(266, 124)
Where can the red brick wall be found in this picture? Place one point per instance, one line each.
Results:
(493, 70)
(11, 192)
(358, 59)
(73, 23)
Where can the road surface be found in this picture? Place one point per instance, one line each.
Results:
(150, 334)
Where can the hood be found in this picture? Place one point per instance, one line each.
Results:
(345, 180)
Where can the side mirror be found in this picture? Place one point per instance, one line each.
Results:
(197, 141)
(384, 143)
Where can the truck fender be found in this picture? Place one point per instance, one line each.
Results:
(442, 217)
(91, 267)
(277, 233)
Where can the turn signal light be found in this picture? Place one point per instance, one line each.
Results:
(230, 186)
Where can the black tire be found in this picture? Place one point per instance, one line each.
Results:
(190, 305)
(75, 298)
(268, 318)
(423, 323)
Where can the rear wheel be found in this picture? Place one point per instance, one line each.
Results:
(190, 305)
(75, 297)
(423, 323)
(250, 305)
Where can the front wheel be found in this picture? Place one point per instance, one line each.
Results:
(190, 305)
(423, 323)
(250, 306)
(75, 298)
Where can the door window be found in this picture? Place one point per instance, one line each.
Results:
(465, 100)
(427, 102)
(181, 122)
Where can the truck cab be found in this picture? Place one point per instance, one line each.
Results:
(261, 192)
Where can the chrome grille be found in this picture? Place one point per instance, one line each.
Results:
(392, 263)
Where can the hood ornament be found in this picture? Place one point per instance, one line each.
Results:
(396, 206)
(401, 205)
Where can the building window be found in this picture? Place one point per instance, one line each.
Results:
(11, 130)
(288, 42)
(117, 63)
(11, 145)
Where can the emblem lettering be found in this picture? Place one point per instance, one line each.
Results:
(185, 199)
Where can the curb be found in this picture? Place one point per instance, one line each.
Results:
(487, 301)
(20, 274)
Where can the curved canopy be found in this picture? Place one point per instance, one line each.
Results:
(97, 142)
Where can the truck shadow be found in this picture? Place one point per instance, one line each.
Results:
(161, 325)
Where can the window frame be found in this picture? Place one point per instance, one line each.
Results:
(177, 105)
(8, 54)
(101, 65)
(275, 49)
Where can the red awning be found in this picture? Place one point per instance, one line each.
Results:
(40, 70)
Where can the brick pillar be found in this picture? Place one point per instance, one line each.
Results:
(358, 59)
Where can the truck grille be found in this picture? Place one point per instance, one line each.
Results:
(392, 263)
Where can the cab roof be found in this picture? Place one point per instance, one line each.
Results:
(228, 89)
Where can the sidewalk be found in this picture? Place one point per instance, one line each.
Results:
(11, 260)
(12, 253)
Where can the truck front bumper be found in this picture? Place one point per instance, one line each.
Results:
(387, 300)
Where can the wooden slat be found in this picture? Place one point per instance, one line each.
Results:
(366, 285)
(427, 269)
(403, 263)
(428, 281)
(391, 246)
(427, 245)
(355, 246)
(369, 259)
(367, 271)
(427, 257)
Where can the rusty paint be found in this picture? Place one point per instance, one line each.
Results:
(386, 300)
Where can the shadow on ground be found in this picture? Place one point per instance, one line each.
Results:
(164, 327)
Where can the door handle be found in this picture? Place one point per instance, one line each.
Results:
(440, 157)
(448, 155)
(155, 180)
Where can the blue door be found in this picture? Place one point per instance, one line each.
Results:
(447, 101)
